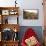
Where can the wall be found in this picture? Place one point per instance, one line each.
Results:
(6, 3)
(26, 4)
(31, 4)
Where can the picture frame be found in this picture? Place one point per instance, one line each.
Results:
(30, 13)
(12, 12)
(5, 12)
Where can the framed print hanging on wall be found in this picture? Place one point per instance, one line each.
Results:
(30, 13)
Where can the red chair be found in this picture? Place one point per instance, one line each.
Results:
(29, 33)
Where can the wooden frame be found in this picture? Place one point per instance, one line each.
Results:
(8, 10)
(5, 12)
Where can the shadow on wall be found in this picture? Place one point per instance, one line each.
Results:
(37, 29)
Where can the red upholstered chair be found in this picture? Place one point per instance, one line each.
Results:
(29, 33)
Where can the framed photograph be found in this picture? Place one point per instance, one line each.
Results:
(30, 13)
(5, 12)
(12, 12)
